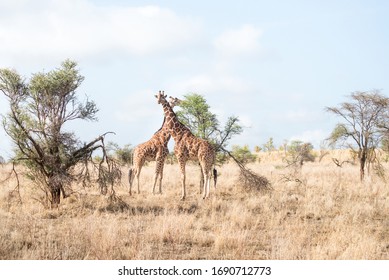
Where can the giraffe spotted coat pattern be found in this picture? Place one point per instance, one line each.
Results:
(154, 149)
(187, 146)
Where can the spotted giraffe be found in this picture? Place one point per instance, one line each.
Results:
(188, 146)
(154, 149)
(176, 101)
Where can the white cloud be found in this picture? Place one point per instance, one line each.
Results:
(244, 40)
(212, 83)
(81, 28)
(137, 106)
(295, 116)
(315, 137)
(245, 120)
(220, 76)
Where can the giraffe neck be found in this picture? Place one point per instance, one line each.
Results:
(162, 134)
(173, 125)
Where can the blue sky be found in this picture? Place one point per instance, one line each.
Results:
(275, 64)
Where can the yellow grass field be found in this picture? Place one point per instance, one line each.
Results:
(322, 212)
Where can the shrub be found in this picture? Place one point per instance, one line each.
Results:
(243, 154)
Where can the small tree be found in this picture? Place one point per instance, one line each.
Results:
(124, 154)
(365, 119)
(243, 154)
(257, 149)
(39, 111)
(196, 115)
(299, 152)
(269, 145)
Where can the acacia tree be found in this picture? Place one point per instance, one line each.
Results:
(365, 119)
(196, 115)
(39, 111)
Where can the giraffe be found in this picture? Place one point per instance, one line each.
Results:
(176, 101)
(187, 146)
(153, 149)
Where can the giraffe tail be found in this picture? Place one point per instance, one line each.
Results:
(214, 172)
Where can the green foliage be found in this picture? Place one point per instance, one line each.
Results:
(243, 154)
(365, 118)
(39, 110)
(338, 135)
(123, 154)
(299, 152)
(257, 149)
(269, 145)
(196, 115)
(385, 144)
(222, 158)
(171, 158)
(231, 128)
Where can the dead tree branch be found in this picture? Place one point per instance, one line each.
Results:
(247, 178)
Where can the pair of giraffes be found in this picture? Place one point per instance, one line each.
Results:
(187, 146)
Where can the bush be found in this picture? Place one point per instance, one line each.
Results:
(299, 152)
(124, 155)
(243, 154)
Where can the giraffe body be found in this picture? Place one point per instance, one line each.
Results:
(154, 149)
(188, 146)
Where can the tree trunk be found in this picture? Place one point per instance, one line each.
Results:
(362, 162)
(55, 191)
(55, 197)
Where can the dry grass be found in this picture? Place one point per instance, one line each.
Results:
(324, 212)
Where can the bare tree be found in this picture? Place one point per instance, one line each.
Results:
(365, 117)
(39, 111)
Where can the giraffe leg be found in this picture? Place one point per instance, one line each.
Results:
(158, 174)
(206, 184)
(206, 170)
(160, 178)
(137, 175)
(201, 178)
(155, 181)
(183, 177)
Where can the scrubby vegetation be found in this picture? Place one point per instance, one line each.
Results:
(326, 214)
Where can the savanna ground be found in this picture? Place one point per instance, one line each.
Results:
(320, 212)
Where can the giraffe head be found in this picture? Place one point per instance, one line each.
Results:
(174, 101)
(161, 97)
